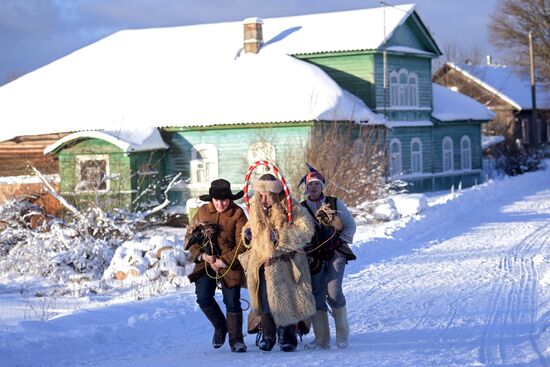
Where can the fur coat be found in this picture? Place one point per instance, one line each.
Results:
(286, 269)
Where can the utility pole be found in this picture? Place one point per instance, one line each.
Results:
(385, 64)
(533, 89)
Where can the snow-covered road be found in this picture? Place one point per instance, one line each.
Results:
(467, 283)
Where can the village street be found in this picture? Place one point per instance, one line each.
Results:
(466, 283)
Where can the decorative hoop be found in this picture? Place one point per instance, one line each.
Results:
(278, 175)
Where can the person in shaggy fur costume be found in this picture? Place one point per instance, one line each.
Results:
(277, 270)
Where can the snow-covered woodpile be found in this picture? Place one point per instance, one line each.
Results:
(147, 259)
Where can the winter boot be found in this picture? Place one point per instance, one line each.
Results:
(269, 331)
(289, 340)
(235, 329)
(342, 327)
(217, 318)
(321, 331)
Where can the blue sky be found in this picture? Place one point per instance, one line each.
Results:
(36, 32)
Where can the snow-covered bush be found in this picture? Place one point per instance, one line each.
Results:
(73, 254)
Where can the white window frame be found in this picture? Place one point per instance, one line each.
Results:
(81, 159)
(416, 156)
(210, 163)
(396, 163)
(404, 89)
(261, 150)
(466, 153)
(525, 131)
(447, 155)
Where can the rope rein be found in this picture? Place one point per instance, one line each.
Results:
(218, 277)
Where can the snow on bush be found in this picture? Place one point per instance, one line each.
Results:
(410, 204)
(385, 210)
(390, 208)
(73, 254)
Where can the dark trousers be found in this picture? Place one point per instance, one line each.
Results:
(205, 288)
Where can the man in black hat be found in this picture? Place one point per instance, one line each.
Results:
(214, 241)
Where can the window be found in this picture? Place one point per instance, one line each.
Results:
(548, 130)
(539, 131)
(395, 157)
(466, 153)
(525, 131)
(204, 164)
(261, 151)
(416, 155)
(403, 89)
(447, 154)
(92, 172)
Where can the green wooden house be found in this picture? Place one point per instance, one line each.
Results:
(115, 169)
(219, 102)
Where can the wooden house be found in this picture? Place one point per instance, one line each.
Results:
(223, 95)
(507, 92)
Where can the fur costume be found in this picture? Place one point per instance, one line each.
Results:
(286, 268)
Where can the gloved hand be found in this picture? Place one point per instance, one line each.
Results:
(248, 235)
(218, 264)
(208, 258)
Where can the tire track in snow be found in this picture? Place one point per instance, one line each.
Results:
(513, 309)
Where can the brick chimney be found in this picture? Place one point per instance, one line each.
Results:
(253, 37)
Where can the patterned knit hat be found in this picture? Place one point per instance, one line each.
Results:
(311, 176)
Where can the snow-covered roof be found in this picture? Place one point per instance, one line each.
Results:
(488, 141)
(507, 83)
(128, 140)
(197, 76)
(449, 105)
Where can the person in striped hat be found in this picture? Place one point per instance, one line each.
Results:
(328, 255)
(277, 271)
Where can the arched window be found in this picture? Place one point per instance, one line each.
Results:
(204, 164)
(466, 153)
(416, 155)
(394, 89)
(395, 157)
(403, 89)
(261, 151)
(447, 154)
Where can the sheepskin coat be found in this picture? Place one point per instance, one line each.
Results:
(286, 269)
(231, 223)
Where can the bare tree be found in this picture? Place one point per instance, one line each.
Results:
(453, 52)
(509, 30)
(351, 158)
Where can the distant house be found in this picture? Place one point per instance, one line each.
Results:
(219, 104)
(507, 92)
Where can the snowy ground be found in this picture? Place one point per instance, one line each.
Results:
(466, 283)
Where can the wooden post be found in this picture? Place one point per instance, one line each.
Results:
(533, 89)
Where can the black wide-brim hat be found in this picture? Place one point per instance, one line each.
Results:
(221, 189)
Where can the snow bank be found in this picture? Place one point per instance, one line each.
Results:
(395, 207)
